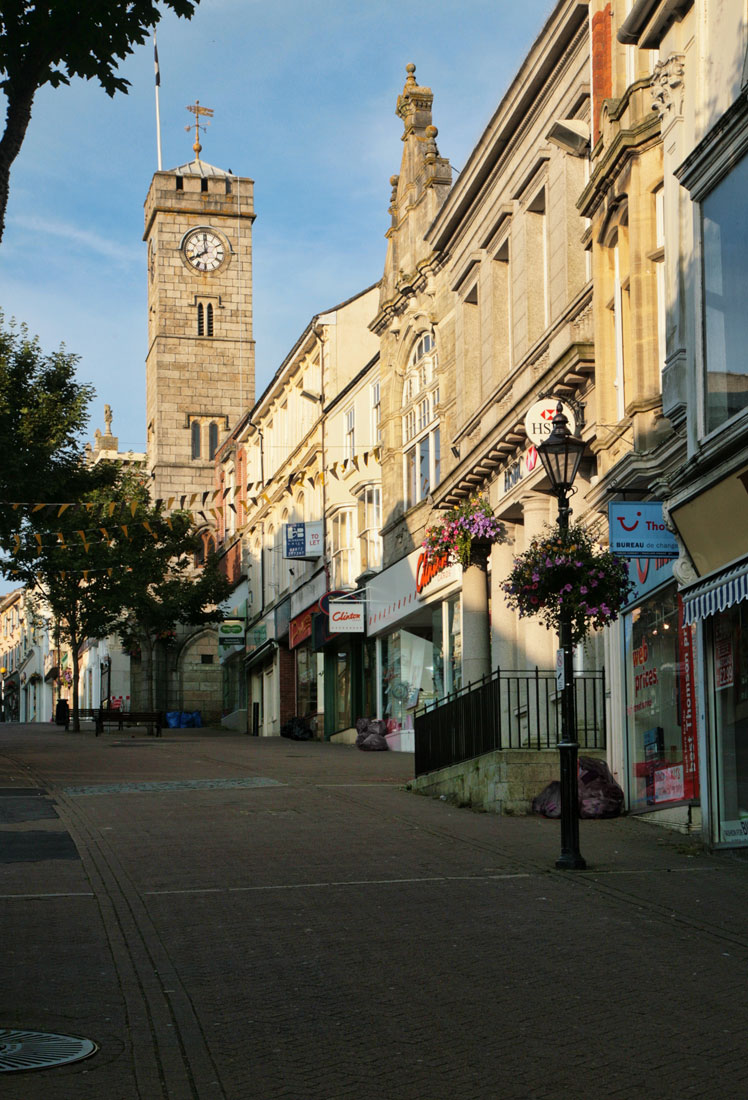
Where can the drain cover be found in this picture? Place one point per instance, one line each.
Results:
(40, 1050)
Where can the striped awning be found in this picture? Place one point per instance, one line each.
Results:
(715, 593)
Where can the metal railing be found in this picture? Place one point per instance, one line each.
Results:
(507, 710)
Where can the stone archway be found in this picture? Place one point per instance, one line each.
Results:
(198, 675)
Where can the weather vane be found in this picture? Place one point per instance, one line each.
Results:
(197, 111)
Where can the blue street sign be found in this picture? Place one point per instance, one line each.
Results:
(637, 530)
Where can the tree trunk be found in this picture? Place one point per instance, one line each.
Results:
(76, 673)
(148, 669)
(17, 118)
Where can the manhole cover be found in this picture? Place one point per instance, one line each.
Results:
(40, 1050)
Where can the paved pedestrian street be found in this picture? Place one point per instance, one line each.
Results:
(228, 917)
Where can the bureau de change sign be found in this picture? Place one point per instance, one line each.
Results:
(637, 530)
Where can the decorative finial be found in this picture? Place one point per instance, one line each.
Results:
(410, 70)
(197, 111)
(108, 419)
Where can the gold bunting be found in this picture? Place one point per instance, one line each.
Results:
(38, 507)
(62, 508)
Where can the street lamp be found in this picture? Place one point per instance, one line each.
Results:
(561, 454)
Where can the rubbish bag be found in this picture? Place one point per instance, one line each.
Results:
(186, 721)
(599, 794)
(370, 734)
(172, 719)
(62, 713)
(548, 802)
(197, 719)
(296, 729)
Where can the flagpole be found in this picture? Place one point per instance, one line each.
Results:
(158, 112)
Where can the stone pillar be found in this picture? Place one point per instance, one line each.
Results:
(503, 621)
(537, 644)
(476, 647)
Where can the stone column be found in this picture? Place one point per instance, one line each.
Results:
(476, 646)
(537, 644)
(503, 621)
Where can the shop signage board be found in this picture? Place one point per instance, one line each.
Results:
(637, 530)
(256, 636)
(231, 632)
(347, 617)
(303, 541)
(539, 419)
(519, 469)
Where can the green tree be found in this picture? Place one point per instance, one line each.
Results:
(43, 414)
(116, 564)
(52, 42)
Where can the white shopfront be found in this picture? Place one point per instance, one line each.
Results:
(413, 610)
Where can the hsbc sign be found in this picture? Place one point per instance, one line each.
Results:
(539, 419)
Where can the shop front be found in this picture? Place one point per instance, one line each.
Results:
(339, 641)
(414, 613)
(661, 750)
(308, 667)
(713, 525)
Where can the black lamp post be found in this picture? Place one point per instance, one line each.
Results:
(561, 454)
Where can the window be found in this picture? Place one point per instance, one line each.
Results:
(195, 432)
(420, 426)
(212, 440)
(369, 524)
(200, 319)
(538, 317)
(209, 319)
(342, 549)
(724, 216)
(376, 414)
(350, 433)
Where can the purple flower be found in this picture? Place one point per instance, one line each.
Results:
(583, 590)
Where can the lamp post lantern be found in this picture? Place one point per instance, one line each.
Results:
(561, 454)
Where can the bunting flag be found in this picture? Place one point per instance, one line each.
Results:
(64, 508)
(124, 532)
(311, 481)
(133, 508)
(110, 508)
(182, 499)
(83, 539)
(38, 507)
(366, 458)
(265, 497)
(226, 492)
(232, 506)
(355, 463)
(334, 471)
(38, 538)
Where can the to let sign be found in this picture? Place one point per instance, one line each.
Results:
(303, 540)
(637, 530)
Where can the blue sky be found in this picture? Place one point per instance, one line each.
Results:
(304, 96)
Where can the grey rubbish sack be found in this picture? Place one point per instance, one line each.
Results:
(548, 802)
(599, 794)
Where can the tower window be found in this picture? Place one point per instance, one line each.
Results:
(209, 319)
(203, 185)
(195, 430)
(212, 440)
(180, 183)
(200, 319)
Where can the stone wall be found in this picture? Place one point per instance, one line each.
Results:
(502, 782)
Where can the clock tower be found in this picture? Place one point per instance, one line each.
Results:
(200, 365)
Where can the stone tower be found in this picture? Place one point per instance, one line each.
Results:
(200, 365)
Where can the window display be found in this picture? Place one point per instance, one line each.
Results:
(729, 693)
(659, 704)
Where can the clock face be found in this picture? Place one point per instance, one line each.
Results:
(204, 250)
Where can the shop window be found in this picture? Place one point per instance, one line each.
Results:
(724, 216)
(661, 735)
(420, 426)
(343, 551)
(369, 524)
(728, 683)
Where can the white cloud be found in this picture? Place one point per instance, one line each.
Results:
(85, 239)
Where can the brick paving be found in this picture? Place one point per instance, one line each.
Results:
(261, 919)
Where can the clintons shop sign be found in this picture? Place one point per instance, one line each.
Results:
(347, 617)
(397, 592)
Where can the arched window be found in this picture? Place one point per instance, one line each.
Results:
(195, 430)
(200, 319)
(209, 319)
(212, 439)
(420, 423)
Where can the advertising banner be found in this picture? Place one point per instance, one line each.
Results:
(303, 541)
(347, 617)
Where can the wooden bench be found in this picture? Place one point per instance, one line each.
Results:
(122, 718)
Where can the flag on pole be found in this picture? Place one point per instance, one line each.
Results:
(155, 62)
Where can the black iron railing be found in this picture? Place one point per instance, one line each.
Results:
(508, 710)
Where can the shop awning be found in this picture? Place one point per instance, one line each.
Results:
(716, 593)
(263, 653)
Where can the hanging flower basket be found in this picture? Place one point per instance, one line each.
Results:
(567, 571)
(465, 533)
